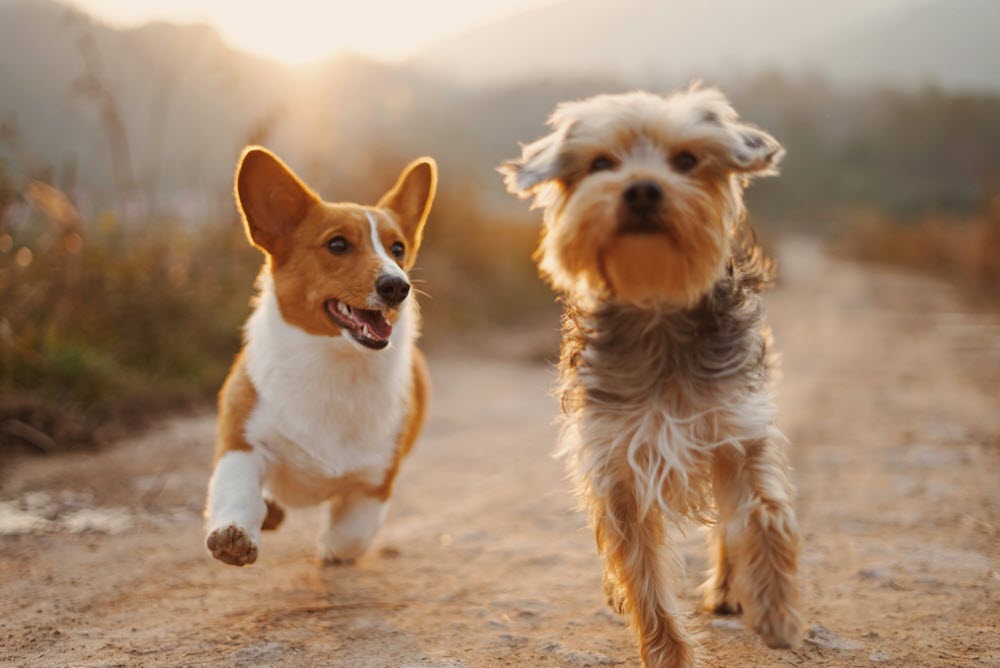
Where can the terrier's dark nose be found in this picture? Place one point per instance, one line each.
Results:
(392, 289)
(643, 196)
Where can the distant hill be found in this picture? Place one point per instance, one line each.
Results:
(952, 43)
(187, 101)
(167, 83)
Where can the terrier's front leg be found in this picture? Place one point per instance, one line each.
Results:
(236, 508)
(762, 539)
(638, 579)
(351, 526)
(719, 596)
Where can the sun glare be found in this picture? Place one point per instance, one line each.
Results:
(303, 31)
(297, 38)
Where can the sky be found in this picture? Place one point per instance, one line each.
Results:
(301, 31)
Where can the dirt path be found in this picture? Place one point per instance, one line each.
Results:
(890, 397)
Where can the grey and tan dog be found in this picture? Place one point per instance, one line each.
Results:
(666, 353)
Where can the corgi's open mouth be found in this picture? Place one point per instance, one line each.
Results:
(369, 328)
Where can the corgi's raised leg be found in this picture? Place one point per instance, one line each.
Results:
(351, 526)
(236, 508)
(275, 514)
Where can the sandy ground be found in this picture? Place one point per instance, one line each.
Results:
(890, 397)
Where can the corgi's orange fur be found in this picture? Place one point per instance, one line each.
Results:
(330, 391)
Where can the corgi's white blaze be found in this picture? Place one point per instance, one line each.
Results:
(352, 526)
(326, 407)
(234, 495)
(389, 265)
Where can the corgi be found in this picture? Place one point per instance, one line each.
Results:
(329, 392)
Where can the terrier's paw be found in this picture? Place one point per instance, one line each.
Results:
(669, 652)
(780, 628)
(720, 601)
(232, 545)
(614, 595)
(726, 608)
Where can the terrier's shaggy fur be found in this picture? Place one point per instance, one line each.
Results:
(666, 353)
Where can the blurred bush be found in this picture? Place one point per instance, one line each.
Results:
(963, 249)
(102, 318)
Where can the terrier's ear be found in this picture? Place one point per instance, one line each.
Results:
(540, 162)
(411, 199)
(735, 145)
(751, 151)
(271, 198)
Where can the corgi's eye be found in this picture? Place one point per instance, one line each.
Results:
(398, 250)
(338, 245)
(684, 161)
(601, 164)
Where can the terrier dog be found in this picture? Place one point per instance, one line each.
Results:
(665, 357)
(330, 391)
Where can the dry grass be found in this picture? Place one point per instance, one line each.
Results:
(965, 250)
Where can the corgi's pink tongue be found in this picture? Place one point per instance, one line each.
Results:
(378, 327)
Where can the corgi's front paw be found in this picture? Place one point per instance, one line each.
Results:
(232, 545)
(337, 551)
(351, 528)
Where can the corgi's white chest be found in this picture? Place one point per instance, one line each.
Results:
(326, 406)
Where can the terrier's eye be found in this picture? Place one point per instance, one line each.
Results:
(397, 250)
(338, 245)
(684, 161)
(601, 164)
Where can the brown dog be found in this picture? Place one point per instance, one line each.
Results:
(665, 358)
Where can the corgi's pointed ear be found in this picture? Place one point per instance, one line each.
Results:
(411, 199)
(270, 197)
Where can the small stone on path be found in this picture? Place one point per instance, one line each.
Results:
(821, 636)
(726, 624)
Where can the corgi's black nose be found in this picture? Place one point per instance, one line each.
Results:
(392, 289)
(643, 196)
